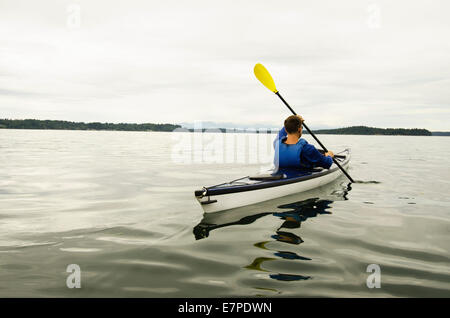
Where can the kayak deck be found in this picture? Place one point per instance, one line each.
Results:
(251, 183)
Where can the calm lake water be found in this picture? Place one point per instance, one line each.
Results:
(120, 205)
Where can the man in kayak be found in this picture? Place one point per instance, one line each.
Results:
(292, 151)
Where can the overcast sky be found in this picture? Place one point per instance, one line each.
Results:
(338, 63)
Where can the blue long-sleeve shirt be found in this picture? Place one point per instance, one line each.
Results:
(310, 157)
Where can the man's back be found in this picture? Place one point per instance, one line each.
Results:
(298, 155)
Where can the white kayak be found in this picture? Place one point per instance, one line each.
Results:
(274, 184)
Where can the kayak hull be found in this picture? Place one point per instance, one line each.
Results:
(219, 198)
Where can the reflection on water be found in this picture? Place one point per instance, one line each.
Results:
(292, 215)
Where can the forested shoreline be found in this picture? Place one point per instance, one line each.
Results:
(70, 125)
(364, 130)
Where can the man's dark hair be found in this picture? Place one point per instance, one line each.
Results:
(292, 124)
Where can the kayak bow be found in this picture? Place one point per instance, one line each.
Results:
(274, 184)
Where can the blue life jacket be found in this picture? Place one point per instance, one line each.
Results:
(288, 156)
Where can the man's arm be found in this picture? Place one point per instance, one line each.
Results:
(310, 156)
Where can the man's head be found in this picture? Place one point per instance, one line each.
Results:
(293, 125)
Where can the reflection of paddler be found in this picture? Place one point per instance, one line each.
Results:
(256, 264)
(291, 223)
(289, 277)
(287, 237)
(291, 220)
(290, 255)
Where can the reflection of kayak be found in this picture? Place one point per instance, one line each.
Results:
(253, 189)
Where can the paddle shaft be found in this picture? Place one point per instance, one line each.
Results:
(315, 138)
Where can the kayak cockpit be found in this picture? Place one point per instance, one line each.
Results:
(271, 178)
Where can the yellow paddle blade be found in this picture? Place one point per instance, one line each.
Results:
(264, 77)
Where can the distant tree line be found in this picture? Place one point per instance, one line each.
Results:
(70, 125)
(363, 130)
(441, 133)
